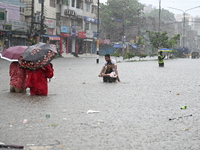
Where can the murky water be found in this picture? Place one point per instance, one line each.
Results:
(134, 114)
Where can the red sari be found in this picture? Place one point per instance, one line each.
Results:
(37, 80)
(17, 76)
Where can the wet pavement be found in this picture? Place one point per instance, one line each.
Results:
(131, 115)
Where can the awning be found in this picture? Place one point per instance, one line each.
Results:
(117, 46)
(52, 37)
(133, 45)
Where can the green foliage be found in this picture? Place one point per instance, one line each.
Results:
(142, 55)
(165, 15)
(124, 11)
(116, 54)
(161, 39)
(174, 51)
(128, 55)
(140, 41)
(153, 54)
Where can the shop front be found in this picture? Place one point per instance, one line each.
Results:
(65, 43)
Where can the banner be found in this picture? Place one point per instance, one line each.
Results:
(81, 34)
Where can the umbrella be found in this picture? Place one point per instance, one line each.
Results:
(165, 50)
(37, 56)
(13, 53)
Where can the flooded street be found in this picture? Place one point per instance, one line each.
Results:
(133, 114)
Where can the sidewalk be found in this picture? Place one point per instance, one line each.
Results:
(69, 55)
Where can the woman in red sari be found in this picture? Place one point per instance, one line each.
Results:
(17, 78)
(37, 80)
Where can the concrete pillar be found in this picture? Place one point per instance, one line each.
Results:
(73, 45)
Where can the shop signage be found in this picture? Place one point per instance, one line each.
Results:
(89, 34)
(104, 41)
(90, 19)
(64, 29)
(64, 35)
(73, 32)
(81, 34)
(19, 26)
(7, 27)
(50, 23)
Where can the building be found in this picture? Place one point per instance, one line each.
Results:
(12, 26)
(41, 19)
(76, 25)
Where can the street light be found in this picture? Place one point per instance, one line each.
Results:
(184, 12)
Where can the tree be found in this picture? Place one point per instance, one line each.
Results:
(140, 42)
(117, 16)
(165, 15)
(161, 39)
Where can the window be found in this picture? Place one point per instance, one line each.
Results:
(86, 26)
(52, 3)
(73, 3)
(78, 4)
(93, 9)
(93, 27)
(21, 10)
(66, 2)
(87, 7)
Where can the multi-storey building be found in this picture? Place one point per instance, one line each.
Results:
(33, 13)
(77, 25)
(12, 25)
(71, 24)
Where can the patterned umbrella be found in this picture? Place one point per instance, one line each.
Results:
(37, 56)
(13, 53)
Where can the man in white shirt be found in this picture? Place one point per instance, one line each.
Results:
(108, 60)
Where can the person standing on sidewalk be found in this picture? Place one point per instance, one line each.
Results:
(161, 59)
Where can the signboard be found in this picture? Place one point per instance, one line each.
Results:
(64, 35)
(50, 23)
(64, 29)
(123, 38)
(73, 32)
(104, 41)
(7, 27)
(2, 15)
(89, 34)
(90, 19)
(19, 26)
(81, 34)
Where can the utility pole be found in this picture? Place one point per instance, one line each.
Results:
(123, 32)
(42, 20)
(159, 14)
(32, 18)
(97, 44)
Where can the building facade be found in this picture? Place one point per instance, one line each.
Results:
(77, 25)
(12, 24)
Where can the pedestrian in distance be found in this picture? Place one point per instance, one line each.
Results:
(111, 65)
(161, 59)
(17, 78)
(37, 80)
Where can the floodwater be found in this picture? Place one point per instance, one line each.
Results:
(133, 114)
